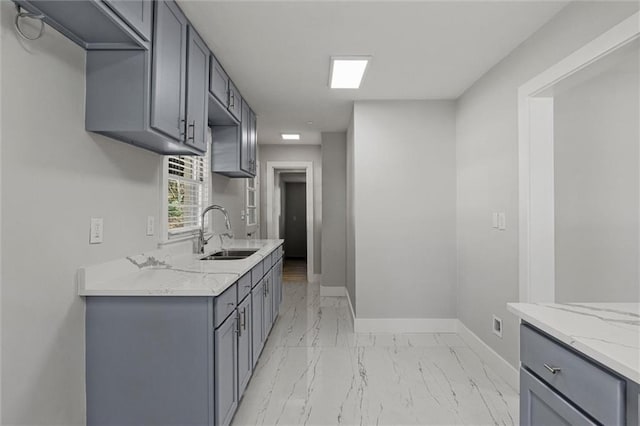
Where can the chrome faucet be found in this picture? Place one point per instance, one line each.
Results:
(201, 239)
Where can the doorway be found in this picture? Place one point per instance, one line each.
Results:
(279, 175)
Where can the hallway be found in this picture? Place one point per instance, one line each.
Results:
(315, 371)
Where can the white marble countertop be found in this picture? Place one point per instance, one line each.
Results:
(171, 272)
(606, 332)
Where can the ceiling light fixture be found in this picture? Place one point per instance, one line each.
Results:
(291, 136)
(347, 72)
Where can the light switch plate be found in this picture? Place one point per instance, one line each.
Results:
(96, 232)
(502, 221)
(151, 224)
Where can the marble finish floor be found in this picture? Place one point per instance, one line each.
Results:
(315, 371)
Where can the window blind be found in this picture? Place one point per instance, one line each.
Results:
(188, 191)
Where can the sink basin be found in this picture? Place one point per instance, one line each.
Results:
(231, 254)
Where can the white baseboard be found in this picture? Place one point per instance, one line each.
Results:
(490, 357)
(353, 312)
(405, 325)
(333, 291)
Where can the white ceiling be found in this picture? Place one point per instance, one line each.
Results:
(278, 52)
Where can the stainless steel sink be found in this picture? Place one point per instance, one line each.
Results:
(231, 254)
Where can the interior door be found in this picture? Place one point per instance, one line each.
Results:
(295, 227)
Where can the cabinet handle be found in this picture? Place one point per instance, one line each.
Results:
(238, 331)
(552, 370)
(232, 100)
(192, 127)
(244, 319)
(181, 126)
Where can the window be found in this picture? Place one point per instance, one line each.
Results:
(252, 202)
(187, 191)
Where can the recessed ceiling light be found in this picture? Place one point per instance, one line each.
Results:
(347, 72)
(291, 136)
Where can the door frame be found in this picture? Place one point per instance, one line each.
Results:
(536, 162)
(273, 226)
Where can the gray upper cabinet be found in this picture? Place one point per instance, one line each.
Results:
(235, 101)
(234, 146)
(226, 371)
(153, 98)
(137, 13)
(219, 82)
(96, 24)
(169, 70)
(245, 151)
(197, 94)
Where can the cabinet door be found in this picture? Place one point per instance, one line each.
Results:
(169, 71)
(219, 82)
(542, 406)
(136, 13)
(226, 371)
(235, 101)
(245, 155)
(268, 304)
(253, 142)
(197, 93)
(257, 318)
(245, 355)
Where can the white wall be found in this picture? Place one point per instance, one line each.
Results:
(54, 177)
(596, 187)
(487, 168)
(295, 153)
(404, 202)
(334, 209)
(230, 194)
(351, 221)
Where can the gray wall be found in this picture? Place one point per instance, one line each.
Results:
(295, 153)
(596, 187)
(487, 168)
(351, 221)
(334, 209)
(404, 202)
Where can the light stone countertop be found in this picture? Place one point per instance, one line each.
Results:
(171, 272)
(606, 332)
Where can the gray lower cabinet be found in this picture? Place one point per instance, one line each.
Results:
(96, 24)
(149, 360)
(559, 386)
(245, 353)
(268, 303)
(541, 405)
(257, 317)
(226, 370)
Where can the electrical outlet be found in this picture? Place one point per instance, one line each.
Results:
(96, 231)
(497, 326)
(151, 224)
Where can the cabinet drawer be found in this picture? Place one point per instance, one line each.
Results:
(541, 406)
(244, 286)
(257, 273)
(596, 391)
(224, 305)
